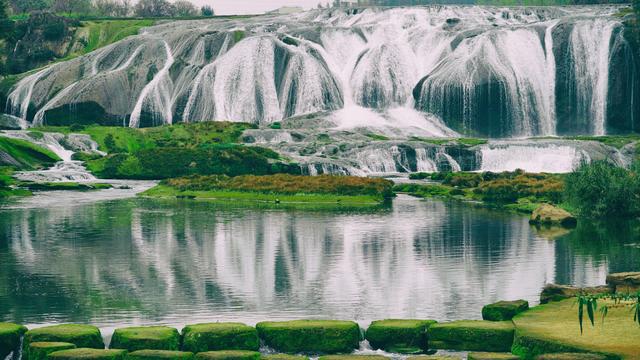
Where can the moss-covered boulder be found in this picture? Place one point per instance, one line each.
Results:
(504, 310)
(491, 356)
(472, 335)
(40, 350)
(554, 292)
(160, 355)
(547, 214)
(82, 336)
(10, 335)
(399, 336)
(571, 356)
(228, 355)
(554, 328)
(353, 357)
(88, 354)
(219, 336)
(146, 338)
(434, 357)
(310, 336)
(283, 357)
(624, 283)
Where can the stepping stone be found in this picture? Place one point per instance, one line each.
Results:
(571, 356)
(399, 336)
(10, 335)
(353, 357)
(310, 336)
(434, 357)
(504, 310)
(145, 338)
(228, 355)
(160, 355)
(219, 336)
(472, 335)
(40, 350)
(88, 354)
(82, 336)
(491, 356)
(283, 357)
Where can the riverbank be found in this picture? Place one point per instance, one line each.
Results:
(510, 330)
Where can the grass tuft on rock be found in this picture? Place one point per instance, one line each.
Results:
(399, 336)
(228, 355)
(504, 310)
(82, 336)
(160, 355)
(146, 338)
(40, 350)
(472, 335)
(219, 336)
(88, 354)
(10, 335)
(310, 336)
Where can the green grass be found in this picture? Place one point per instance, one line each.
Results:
(442, 141)
(28, 155)
(103, 33)
(377, 137)
(554, 328)
(616, 141)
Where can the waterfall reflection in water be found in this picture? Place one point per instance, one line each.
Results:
(146, 261)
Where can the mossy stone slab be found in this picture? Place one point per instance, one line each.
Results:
(160, 355)
(40, 350)
(401, 336)
(491, 356)
(219, 336)
(571, 356)
(353, 357)
(146, 338)
(472, 335)
(10, 335)
(310, 336)
(88, 354)
(554, 328)
(82, 336)
(228, 355)
(283, 357)
(434, 357)
(504, 310)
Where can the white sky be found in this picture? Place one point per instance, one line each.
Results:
(232, 7)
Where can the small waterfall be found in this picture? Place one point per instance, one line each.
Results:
(423, 163)
(20, 98)
(549, 158)
(452, 163)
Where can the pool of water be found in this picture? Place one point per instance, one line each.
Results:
(141, 261)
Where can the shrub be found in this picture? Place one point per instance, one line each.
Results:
(600, 189)
(54, 30)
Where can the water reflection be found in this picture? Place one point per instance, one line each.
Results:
(147, 261)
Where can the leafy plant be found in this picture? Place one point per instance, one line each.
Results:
(589, 303)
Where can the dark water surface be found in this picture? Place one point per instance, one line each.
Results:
(142, 261)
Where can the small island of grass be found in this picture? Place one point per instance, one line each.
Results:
(280, 188)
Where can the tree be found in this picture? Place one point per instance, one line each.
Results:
(184, 8)
(26, 6)
(6, 25)
(208, 10)
(84, 7)
(154, 8)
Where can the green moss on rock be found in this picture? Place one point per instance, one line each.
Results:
(434, 357)
(310, 336)
(82, 336)
(504, 310)
(40, 350)
(88, 354)
(491, 356)
(160, 355)
(219, 336)
(472, 335)
(10, 335)
(283, 357)
(228, 355)
(571, 356)
(402, 336)
(353, 357)
(146, 338)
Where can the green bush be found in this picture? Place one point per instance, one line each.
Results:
(219, 336)
(600, 189)
(146, 338)
(310, 336)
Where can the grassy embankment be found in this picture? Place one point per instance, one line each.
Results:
(280, 188)
(20, 155)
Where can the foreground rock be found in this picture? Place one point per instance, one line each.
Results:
(554, 292)
(491, 356)
(40, 350)
(219, 336)
(160, 355)
(146, 338)
(88, 354)
(399, 336)
(547, 214)
(10, 335)
(472, 335)
(504, 310)
(627, 282)
(228, 355)
(82, 336)
(283, 357)
(310, 336)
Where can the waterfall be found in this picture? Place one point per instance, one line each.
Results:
(423, 163)
(532, 157)
(434, 71)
